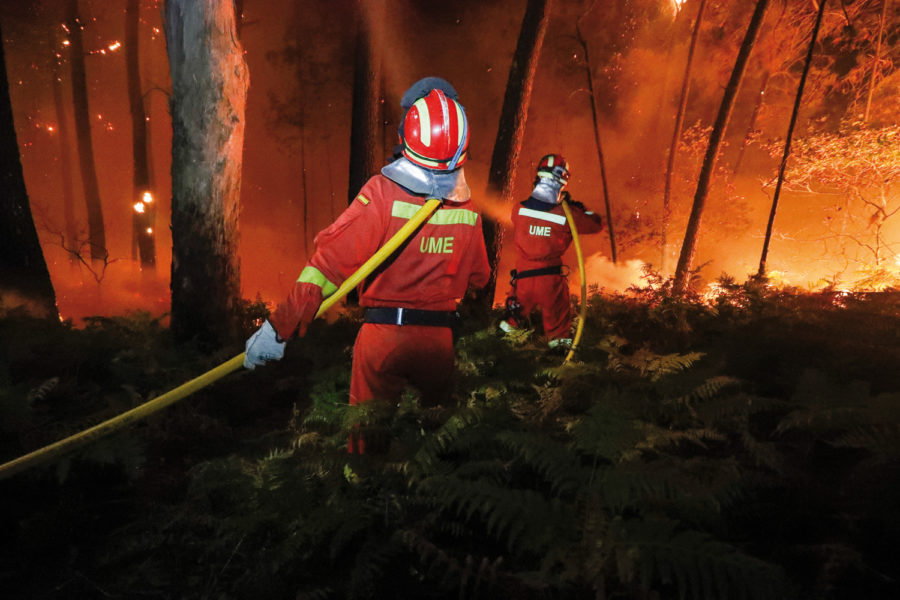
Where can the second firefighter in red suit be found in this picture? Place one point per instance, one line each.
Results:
(541, 237)
(411, 299)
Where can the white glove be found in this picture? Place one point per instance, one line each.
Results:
(263, 346)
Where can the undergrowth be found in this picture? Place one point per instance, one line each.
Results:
(745, 447)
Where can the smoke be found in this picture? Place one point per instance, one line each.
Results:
(612, 277)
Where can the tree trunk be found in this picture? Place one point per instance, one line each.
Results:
(143, 207)
(676, 136)
(597, 142)
(70, 237)
(787, 142)
(688, 248)
(876, 64)
(365, 125)
(23, 270)
(96, 230)
(757, 107)
(209, 92)
(511, 130)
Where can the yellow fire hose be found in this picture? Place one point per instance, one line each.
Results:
(583, 311)
(94, 433)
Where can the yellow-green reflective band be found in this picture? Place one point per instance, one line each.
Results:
(362, 199)
(314, 276)
(444, 216)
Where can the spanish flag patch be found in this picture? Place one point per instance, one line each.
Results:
(362, 199)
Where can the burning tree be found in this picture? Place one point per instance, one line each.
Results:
(860, 167)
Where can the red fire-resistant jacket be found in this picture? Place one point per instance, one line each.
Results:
(542, 236)
(431, 272)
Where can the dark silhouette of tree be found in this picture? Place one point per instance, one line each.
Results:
(23, 269)
(751, 126)
(96, 229)
(511, 130)
(70, 237)
(597, 140)
(787, 142)
(688, 248)
(365, 122)
(676, 134)
(144, 207)
(876, 63)
(209, 91)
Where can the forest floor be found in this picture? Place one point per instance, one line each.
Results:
(746, 446)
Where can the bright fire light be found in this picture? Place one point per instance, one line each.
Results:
(114, 46)
(139, 207)
(677, 5)
(147, 198)
(149, 231)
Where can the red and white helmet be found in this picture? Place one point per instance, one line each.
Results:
(555, 167)
(436, 132)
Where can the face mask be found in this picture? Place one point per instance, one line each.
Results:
(547, 190)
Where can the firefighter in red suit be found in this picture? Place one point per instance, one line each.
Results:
(542, 236)
(411, 299)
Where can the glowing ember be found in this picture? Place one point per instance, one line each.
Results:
(139, 207)
(149, 231)
(147, 198)
(66, 42)
(114, 46)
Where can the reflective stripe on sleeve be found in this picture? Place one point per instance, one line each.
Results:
(314, 276)
(543, 216)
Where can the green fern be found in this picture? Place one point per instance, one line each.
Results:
(658, 553)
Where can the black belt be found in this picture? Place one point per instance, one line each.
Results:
(554, 270)
(385, 315)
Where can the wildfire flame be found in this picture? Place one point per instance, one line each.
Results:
(139, 207)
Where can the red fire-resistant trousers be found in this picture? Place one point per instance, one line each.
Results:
(550, 293)
(388, 358)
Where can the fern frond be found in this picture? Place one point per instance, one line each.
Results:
(883, 441)
(558, 465)
(655, 552)
(522, 519)
(427, 456)
(40, 392)
(606, 433)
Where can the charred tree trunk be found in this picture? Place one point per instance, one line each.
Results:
(96, 230)
(597, 142)
(365, 125)
(209, 91)
(70, 235)
(787, 142)
(144, 208)
(676, 136)
(688, 248)
(505, 158)
(23, 270)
